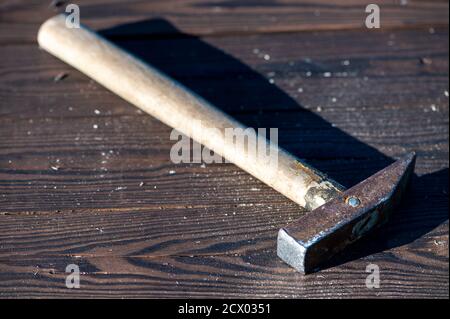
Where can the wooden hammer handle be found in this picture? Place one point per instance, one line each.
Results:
(175, 105)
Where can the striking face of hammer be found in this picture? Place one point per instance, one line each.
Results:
(338, 217)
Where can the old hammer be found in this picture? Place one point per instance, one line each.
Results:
(336, 217)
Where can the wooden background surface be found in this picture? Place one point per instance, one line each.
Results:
(85, 178)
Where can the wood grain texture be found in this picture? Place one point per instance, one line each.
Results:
(72, 193)
(19, 19)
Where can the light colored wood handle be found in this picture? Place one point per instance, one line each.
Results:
(170, 102)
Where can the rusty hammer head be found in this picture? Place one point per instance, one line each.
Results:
(324, 231)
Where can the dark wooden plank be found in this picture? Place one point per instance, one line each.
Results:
(70, 193)
(19, 20)
(258, 275)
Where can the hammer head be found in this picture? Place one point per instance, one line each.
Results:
(321, 233)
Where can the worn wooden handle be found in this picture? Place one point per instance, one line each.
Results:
(170, 102)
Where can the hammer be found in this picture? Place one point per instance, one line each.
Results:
(336, 217)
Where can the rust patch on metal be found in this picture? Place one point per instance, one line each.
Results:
(321, 189)
(317, 196)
